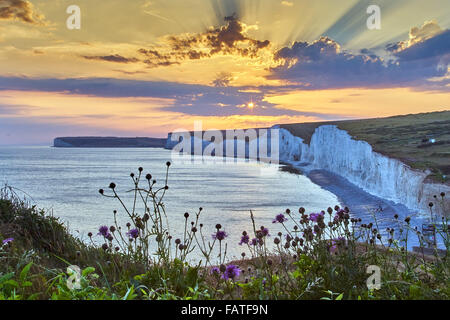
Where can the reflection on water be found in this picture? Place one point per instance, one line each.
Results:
(66, 181)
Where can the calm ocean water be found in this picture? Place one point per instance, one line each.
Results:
(66, 181)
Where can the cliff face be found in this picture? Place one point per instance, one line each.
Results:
(334, 150)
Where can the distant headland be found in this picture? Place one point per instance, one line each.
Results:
(108, 142)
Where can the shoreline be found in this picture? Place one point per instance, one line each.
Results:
(362, 204)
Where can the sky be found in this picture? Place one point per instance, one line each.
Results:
(145, 68)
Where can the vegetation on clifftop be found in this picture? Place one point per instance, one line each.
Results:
(407, 138)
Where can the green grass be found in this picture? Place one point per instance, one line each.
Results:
(399, 137)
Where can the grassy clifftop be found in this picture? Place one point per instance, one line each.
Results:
(405, 137)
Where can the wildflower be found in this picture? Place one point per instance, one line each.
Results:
(280, 218)
(333, 249)
(315, 216)
(168, 163)
(215, 271)
(263, 232)
(148, 176)
(112, 185)
(186, 215)
(231, 272)
(254, 242)
(103, 231)
(90, 234)
(8, 240)
(133, 233)
(244, 239)
(219, 235)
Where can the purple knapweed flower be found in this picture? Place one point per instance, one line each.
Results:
(254, 242)
(133, 233)
(315, 216)
(244, 239)
(8, 240)
(231, 272)
(279, 218)
(219, 235)
(215, 271)
(103, 231)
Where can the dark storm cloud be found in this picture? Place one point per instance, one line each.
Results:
(21, 10)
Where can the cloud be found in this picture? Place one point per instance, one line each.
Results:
(324, 64)
(229, 39)
(189, 99)
(287, 3)
(21, 10)
(112, 58)
(428, 30)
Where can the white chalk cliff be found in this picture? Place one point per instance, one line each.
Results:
(335, 150)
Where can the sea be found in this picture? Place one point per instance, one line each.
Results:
(65, 182)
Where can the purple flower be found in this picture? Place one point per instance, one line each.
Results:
(244, 239)
(263, 232)
(231, 272)
(315, 216)
(6, 241)
(333, 249)
(339, 215)
(219, 235)
(103, 231)
(280, 218)
(215, 271)
(133, 233)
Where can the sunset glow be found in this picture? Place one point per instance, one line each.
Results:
(148, 67)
